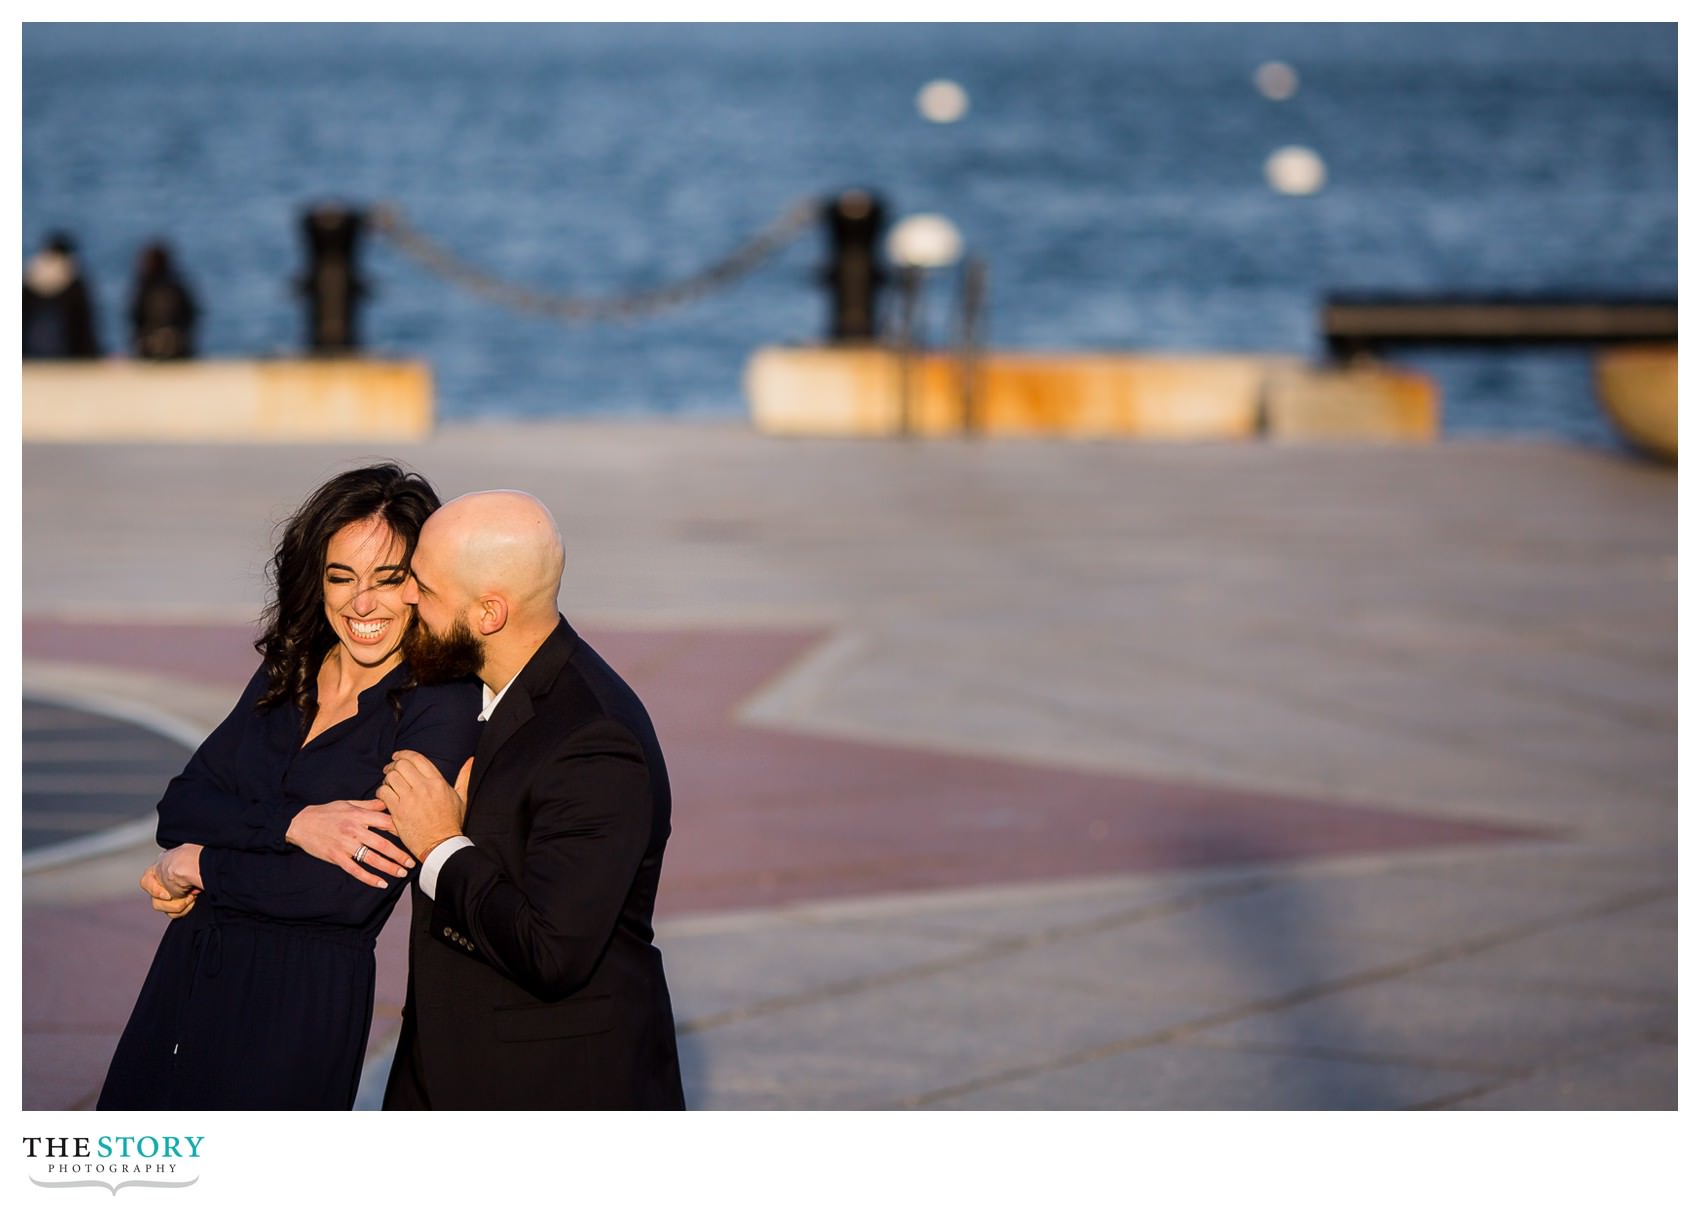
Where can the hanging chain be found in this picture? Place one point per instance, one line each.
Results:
(387, 220)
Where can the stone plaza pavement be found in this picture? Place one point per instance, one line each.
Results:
(1018, 774)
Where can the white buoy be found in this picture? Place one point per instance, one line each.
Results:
(1276, 80)
(942, 101)
(1295, 170)
(924, 242)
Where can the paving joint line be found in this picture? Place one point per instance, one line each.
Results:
(1330, 710)
(1182, 1031)
(1326, 1053)
(992, 949)
(1447, 1101)
(1631, 997)
(1378, 653)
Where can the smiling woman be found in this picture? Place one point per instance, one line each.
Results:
(279, 877)
(365, 571)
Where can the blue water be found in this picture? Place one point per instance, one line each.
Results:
(1110, 176)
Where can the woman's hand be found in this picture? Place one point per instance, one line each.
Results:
(174, 881)
(346, 834)
(162, 898)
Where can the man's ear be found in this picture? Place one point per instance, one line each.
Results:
(492, 615)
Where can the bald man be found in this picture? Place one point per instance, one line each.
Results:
(533, 979)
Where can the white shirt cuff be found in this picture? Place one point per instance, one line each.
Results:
(433, 864)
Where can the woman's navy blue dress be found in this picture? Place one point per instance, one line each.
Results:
(260, 997)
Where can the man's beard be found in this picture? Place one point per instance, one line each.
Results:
(457, 653)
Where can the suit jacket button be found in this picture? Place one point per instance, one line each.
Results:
(447, 933)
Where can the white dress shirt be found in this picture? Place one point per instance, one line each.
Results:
(433, 864)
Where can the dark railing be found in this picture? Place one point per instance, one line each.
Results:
(1360, 324)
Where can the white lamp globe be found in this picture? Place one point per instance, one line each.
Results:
(924, 242)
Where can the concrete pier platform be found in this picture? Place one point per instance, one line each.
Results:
(226, 400)
(876, 391)
(1018, 774)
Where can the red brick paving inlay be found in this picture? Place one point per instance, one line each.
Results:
(761, 817)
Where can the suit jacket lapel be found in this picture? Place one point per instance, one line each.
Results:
(516, 707)
(512, 712)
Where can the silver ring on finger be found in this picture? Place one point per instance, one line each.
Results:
(359, 854)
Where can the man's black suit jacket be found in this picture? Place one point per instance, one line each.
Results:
(533, 981)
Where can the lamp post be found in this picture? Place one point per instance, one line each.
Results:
(968, 360)
(916, 245)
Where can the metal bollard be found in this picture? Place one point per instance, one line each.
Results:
(332, 284)
(854, 274)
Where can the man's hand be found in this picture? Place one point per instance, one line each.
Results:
(338, 832)
(424, 807)
(163, 900)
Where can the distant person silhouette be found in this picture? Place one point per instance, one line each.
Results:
(58, 310)
(162, 309)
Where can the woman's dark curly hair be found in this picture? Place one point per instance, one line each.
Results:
(296, 634)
